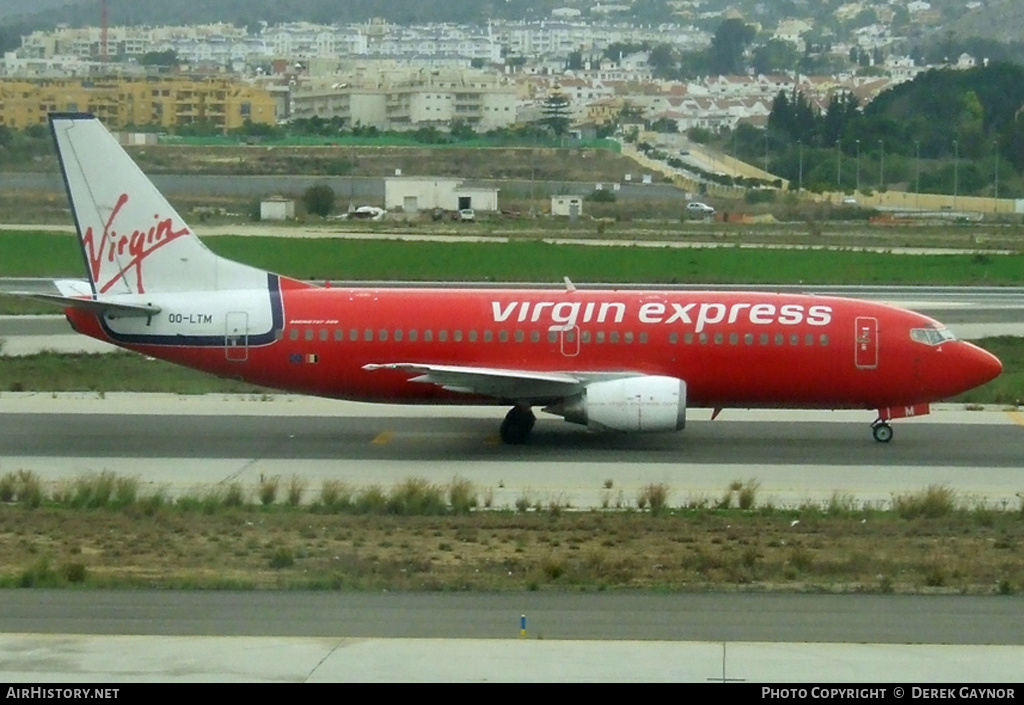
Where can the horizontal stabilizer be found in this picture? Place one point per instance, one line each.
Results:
(110, 309)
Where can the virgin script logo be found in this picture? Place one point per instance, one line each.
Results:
(137, 246)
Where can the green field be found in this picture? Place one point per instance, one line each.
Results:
(39, 254)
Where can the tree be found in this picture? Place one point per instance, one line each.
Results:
(555, 113)
(162, 59)
(776, 55)
(664, 61)
(727, 47)
(319, 200)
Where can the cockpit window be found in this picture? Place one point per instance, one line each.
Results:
(931, 336)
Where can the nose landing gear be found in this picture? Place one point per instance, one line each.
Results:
(881, 431)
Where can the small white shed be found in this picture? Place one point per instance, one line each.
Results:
(565, 205)
(277, 208)
(412, 194)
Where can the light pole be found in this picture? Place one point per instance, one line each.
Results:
(858, 166)
(917, 174)
(956, 167)
(995, 206)
(881, 165)
(800, 152)
(839, 168)
(766, 150)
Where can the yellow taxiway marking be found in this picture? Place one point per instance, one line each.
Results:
(1017, 417)
(383, 437)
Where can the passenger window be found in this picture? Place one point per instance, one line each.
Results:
(293, 334)
(823, 339)
(428, 335)
(780, 339)
(368, 335)
(488, 336)
(718, 338)
(413, 335)
(688, 338)
(398, 335)
(309, 334)
(673, 338)
(472, 336)
(503, 336)
(323, 334)
(382, 335)
(748, 338)
(442, 336)
(339, 335)
(794, 339)
(570, 336)
(628, 336)
(703, 338)
(643, 338)
(599, 337)
(457, 336)
(734, 338)
(809, 339)
(520, 336)
(613, 337)
(552, 336)
(535, 336)
(585, 336)
(764, 339)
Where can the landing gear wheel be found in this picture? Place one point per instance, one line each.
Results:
(516, 427)
(881, 431)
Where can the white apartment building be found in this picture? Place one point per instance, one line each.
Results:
(410, 98)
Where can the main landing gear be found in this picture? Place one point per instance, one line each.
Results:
(881, 431)
(516, 427)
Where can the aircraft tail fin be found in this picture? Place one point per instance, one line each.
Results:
(132, 239)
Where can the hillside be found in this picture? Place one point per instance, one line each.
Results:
(1001, 20)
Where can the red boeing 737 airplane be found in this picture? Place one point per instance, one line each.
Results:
(612, 360)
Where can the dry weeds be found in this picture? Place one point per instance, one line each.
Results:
(281, 547)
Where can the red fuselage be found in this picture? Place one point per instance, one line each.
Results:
(733, 349)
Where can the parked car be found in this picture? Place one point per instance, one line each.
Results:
(467, 214)
(699, 208)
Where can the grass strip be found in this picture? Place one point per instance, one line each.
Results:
(41, 254)
(105, 530)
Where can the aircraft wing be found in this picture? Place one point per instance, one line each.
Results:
(513, 385)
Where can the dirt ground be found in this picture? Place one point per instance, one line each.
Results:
(543, 549)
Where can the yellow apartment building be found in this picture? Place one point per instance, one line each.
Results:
(124, 102)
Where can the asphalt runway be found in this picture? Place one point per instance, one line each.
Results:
(126, 637)
(696, 617)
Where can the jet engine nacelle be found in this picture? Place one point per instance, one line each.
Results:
(638, 404)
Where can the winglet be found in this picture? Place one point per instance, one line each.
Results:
(569, 286)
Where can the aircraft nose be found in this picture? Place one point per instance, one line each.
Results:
(980, 366)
